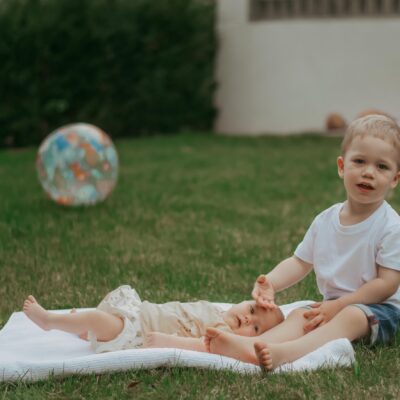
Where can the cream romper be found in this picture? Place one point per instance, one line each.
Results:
(175, 318)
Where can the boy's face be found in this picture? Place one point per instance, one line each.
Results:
(248, 319)
(369, 170)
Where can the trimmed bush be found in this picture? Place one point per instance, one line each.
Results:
(131, 67)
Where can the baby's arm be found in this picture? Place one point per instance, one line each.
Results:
(285, 274)
(158, 339)
(376, 290)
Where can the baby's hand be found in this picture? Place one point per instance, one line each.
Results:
(264, 293)
(321, 313)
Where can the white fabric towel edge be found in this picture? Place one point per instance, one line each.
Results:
(29, 354)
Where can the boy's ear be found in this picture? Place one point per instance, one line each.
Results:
(340, 166)
(395, 180)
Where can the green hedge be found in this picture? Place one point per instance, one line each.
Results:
(131, 67)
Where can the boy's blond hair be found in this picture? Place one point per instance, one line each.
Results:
(380, 126)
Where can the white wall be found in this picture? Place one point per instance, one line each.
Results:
(286, 76)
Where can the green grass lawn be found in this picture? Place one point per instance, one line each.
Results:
(192, 217)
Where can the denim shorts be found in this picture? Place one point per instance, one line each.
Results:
(383, 321)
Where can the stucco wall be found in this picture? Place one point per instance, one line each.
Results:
(286, 76)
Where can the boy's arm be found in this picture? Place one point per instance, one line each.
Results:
(158, 339)
(285, 274)
(375, 291)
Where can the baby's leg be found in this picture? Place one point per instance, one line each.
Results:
(159, 340)
(350, 323)
(242, 347)
(83, 335)
(103, 325)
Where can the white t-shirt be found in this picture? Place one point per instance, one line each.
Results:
(346, 257)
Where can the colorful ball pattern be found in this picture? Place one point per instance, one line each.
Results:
(77, 165)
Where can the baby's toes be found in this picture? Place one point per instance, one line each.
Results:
(207, 343)
(32, 299)
(212, 333)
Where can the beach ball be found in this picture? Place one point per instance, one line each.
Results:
(77, 164)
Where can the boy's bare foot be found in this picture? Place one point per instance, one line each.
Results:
(230, 345)
(36, 313)
(269, 356)
(83, 335)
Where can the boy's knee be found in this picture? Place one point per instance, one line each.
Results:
(354, 314)
(297, 313)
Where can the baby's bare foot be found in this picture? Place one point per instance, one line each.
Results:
(207, 343)
(269, 356)
(36, 313)
(219, 342)
(83, 335)
(230, 345)
(215, 341)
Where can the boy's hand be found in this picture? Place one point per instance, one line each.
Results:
(264, 293)
(321, 314)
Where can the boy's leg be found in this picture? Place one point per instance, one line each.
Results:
(242, 347)
(350, 323)
(103, 325)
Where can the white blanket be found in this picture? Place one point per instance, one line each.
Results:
(28, 353)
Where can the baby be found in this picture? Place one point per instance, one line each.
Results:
(122, 321)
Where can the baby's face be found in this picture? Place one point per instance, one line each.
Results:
(249, 319)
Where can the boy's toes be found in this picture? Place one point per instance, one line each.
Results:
(264, 356)
(258, 347)
(268, 365)
(212, 332)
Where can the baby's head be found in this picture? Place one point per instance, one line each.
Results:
(249, 319)
(377, 126)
